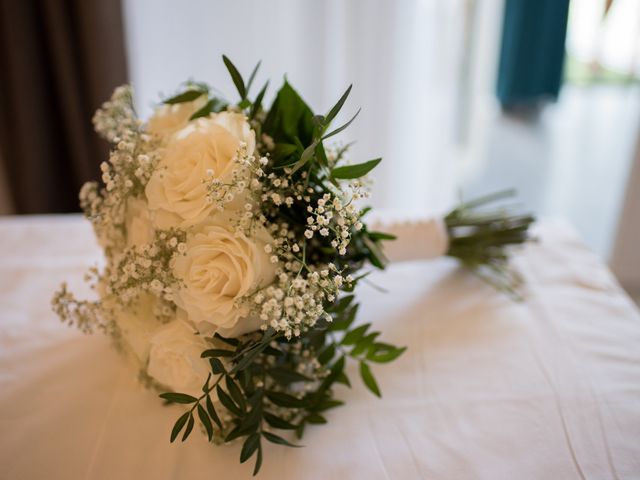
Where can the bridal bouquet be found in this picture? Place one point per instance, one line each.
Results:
(234, 237)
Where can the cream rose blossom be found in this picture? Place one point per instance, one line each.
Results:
(136, 325)
(174, 358)
(168, 119)
(218, 268)
(206, 148)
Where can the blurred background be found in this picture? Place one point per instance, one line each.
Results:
(460, 97)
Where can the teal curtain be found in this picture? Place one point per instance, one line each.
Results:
(532, 51)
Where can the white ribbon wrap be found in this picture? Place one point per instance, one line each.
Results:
(419, 239)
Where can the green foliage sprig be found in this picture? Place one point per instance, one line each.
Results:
(259, 388)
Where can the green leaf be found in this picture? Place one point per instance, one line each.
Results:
(249, 447)
(236, 393)
(206, 422)
(345, 323)
(286, 376)
(327, 354)
(340, 129)
(355, 335)
(316, 419)
(187, 430)
(305, 157)
(273, 438)
(277, 422)
(216, 366)
(234, 342)
(376, 236)
(213, 105)
(253, 75)
(336, 108)
(285, 400)
(212, 412)
(384, 353)
(216, 352)
(178, 425)
(368, 379)
(289, 118)
(321, 155)
(204, 111)
(226, 400)
(328, 404)
(355, 171)
(336, 369)
(363, 344)
(256, 469)
(283, 151)
(342, 304)
(257, 103)
(237, 432)
(343, 379)
(186, 96)
(178, 397)
(274, 352)
(235, 76)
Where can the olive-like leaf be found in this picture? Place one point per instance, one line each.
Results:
(216, 352)
(235, 393)
(273, 438)
(253, 75)
(212, 412)
(174, 397)
(187, 430)
(186, 96)
(340, 129)
(178, 425)
(227, 402)
(355, 171)
(216, 365)
(257, 103)
(256, 468)
(206, 421)
(236, 77)
(353, 336)
(336, 108)
(368, 379)
(277, 422)
(249, 447)
(285, 400)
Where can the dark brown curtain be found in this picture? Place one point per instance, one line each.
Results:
(59, 60)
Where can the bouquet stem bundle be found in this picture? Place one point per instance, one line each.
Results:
(481, 234)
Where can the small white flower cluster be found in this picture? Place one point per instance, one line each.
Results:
(117, 116)
(84, 314)
(243, 181)
(130, 165)
(295, 301)
(147, 269)
(330, 216)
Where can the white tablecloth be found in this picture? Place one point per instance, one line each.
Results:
(491, 389)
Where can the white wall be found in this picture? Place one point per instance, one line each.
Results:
(403, 58)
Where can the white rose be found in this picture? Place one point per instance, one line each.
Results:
(218, 268)
(174, 358)
(137, 324)
(137, 223)
(168, 119)
(176, 191)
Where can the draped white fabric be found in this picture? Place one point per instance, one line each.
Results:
(487, 389)
(405, 58)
